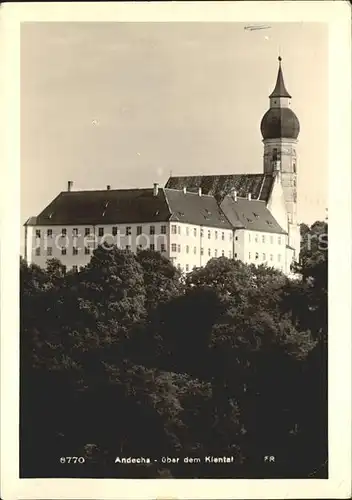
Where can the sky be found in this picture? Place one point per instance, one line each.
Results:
(127, 103)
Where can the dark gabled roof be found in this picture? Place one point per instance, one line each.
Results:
(280, 89)
(194, 209)
(259, 185)
(250, 214)
(105, 207)
(32, 221)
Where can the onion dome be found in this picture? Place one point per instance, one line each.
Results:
(279, 123)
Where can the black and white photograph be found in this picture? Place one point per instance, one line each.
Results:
(174, 246)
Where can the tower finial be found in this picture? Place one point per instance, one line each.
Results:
(280, 89)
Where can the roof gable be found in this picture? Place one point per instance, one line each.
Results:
(105, 207)
(250, 214)
(194, 209)
(258, 185)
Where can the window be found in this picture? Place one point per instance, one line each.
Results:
(223, 235)
(223, 253)
(208, 234)
(215, 252)
(128, 230)
(256, 255)
(87, 250)
(101, 231)
(173, 247)
(294, 167)
(187, 249)
(236, 238)
(279, 258)
(49, 233)
(37, 252)
(87, 231)
(202, 251)
(275, 156)
(139, 230)
(152, 230)
(264, 257)
(63, 251)
(194, 232)
(187, 268)
(114, 230)
(37, 233)
(74, 269)
(74, 251)
(152, 246)
(230, 255)
(173, 229)
(216, 235)
(163, 229)
(49, 251)
(271, 239)
(209, 252)
(194, 250)
(271, 256)
(263, 238)
(179, 229)
(249, 255)
(128, 247)
(256, 238)
(179, 248)
(187, 231)
(75, 231)
(63, 231)
(279, 240)
(256, 215)
(163, 247)
(201, 232)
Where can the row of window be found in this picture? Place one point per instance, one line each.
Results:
(177, 248)
(88, 250)
(271, 256)
(177, 230)
(271, 238)
(101, 231)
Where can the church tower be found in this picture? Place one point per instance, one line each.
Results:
(280, 129)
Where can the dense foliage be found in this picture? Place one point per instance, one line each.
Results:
(127, 358)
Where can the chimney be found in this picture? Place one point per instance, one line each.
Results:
(69, 186)
(184, 189)
(108, 187)
(155, 189)
(249, 196)
(199, 191)
(234, 194)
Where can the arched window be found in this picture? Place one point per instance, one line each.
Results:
(294, 167)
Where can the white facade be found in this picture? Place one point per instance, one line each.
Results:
(253, 247)
(187, 245)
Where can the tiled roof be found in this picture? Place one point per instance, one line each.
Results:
(105, 207)
(140, 205)
(195, 209)
(259, 185)
(32, 221)
(250, 214)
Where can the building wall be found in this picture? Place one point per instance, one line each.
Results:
(264, 248)
(187, 245)
(193, 246)
(76, 237)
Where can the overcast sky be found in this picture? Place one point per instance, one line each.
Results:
(126, 103)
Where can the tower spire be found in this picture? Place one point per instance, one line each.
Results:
(280, 89)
